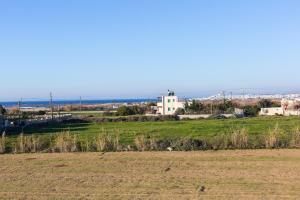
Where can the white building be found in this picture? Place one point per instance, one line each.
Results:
(288, 107)
(167, 105)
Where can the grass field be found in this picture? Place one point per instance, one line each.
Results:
(244, 174)
(174, 129)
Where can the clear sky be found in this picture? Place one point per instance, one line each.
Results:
(141, 48)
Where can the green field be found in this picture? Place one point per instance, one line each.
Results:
(173, 129)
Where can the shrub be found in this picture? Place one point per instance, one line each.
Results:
(188, 144)
(141, 143)
(130, 110)
(239, 139)
(295, 139)
(180, 111)
(65, 142)
(272, 138)
(107, 142)
(28, 144)
(160, 145)
(251, 111)
(220, 142)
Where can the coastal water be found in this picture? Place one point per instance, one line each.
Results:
(73, 102)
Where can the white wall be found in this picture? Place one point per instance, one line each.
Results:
(271, 111)
(169, 105)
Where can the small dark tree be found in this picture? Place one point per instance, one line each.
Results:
(2, 110)
(180, 111)
(130, 110)
(265, 103)
(124, 111)
(251, 111)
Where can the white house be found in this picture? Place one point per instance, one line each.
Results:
(288, 107)
(167, 105)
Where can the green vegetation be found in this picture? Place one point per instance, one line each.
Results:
(226, 106)
(130, 110)
(173, 129)
(259, 132)
(2, 110)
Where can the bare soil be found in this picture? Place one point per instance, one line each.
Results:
(243, 174)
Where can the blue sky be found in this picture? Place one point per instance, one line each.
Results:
(141, 48)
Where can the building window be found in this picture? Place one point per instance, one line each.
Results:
(173, 108)
(169, 109)
(173, 100)
(169, 100)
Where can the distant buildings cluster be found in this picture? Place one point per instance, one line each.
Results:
(289, 107)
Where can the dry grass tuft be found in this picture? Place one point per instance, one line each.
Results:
(107, 142)
(65, 142)
(295, 138)
(27, 144)
(272, 138)
(239, 139)
(2, 143)
(141, 143)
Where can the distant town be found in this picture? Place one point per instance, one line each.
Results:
(220, 105)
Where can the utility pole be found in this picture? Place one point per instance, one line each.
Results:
(224, 97)
(58, 112)
(19, 112)
(51, 105)
(231, 96)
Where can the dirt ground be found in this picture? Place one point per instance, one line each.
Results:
(244, 174)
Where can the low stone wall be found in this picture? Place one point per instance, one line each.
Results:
(202, 116)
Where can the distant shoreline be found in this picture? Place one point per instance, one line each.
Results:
(74, 102)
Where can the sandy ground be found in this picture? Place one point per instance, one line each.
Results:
(245, 174)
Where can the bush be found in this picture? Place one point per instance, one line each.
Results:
(130, 110)
(180, 111)
(295, 139)
(239, 139)
(272, 138)
(251, 111)
(107, 142)
(28, 144)
(65, 142)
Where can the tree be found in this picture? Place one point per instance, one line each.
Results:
(226, 106)
(194, 107)
(266, 103)
(130, 110)
(251, 111)
(2, 110)
(180, 111)
(124, 111)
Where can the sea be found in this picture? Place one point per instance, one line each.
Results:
(73, 102)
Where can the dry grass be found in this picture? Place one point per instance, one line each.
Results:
(239, 139)
(107, 142)
(2, 143)
(238, 174)
(27, 144)
(141, 143)
(295, 138)
(272, 138)
(66, 142)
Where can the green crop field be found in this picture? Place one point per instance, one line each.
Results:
(173, 129)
